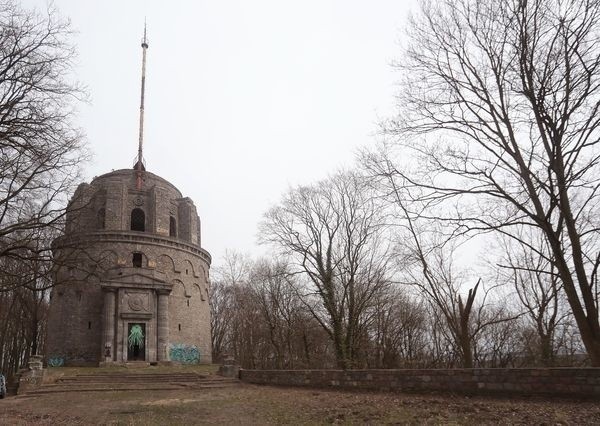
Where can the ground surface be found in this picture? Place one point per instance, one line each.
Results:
(263, 405)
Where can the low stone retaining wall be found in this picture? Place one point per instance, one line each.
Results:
(563, 382)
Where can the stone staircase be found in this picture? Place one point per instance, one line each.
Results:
(125, 381)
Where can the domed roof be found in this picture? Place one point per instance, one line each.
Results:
(115, 202)
(128, 177)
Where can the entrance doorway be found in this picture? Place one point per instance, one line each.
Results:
(136, 342)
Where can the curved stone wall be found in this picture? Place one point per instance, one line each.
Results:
(108, 276)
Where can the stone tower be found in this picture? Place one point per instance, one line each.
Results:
(131, 277)
(130, 257)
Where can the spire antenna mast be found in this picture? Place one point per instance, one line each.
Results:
(139, 165)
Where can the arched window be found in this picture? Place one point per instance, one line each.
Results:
(138, 220)
(101, 218)
(172, 227)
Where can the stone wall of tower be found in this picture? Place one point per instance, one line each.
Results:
(189, 311)
(75, 319)
(99, 227)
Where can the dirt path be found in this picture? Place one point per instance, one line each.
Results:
(258, 405)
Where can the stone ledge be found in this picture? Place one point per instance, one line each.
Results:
(130, 236)
(552, 382)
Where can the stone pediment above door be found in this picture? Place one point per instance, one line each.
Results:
(136, 278)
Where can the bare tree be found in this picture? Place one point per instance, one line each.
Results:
(281, 309)
(399, 331)
(332, 234)
(41, 148)
(538, 287)
(232, 272)
(499, 343)
(431, 269)
(24, 311)
(499, 109)
(258, 317)
(426, 258)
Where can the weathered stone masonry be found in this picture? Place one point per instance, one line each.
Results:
(130, 257)
(563, 382)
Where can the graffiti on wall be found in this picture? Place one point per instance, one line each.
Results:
(185, 354)
(136, 336)
(56, 361)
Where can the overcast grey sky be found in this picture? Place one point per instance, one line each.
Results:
(244, 98)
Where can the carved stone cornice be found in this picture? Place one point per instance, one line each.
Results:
(131, 237)
(136, 278)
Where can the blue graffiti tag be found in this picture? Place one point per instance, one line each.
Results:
(56, 361)
(185, 354)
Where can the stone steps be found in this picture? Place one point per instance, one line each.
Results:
(139, 384)
(131, 379)
(127, 382)
(45, 390)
